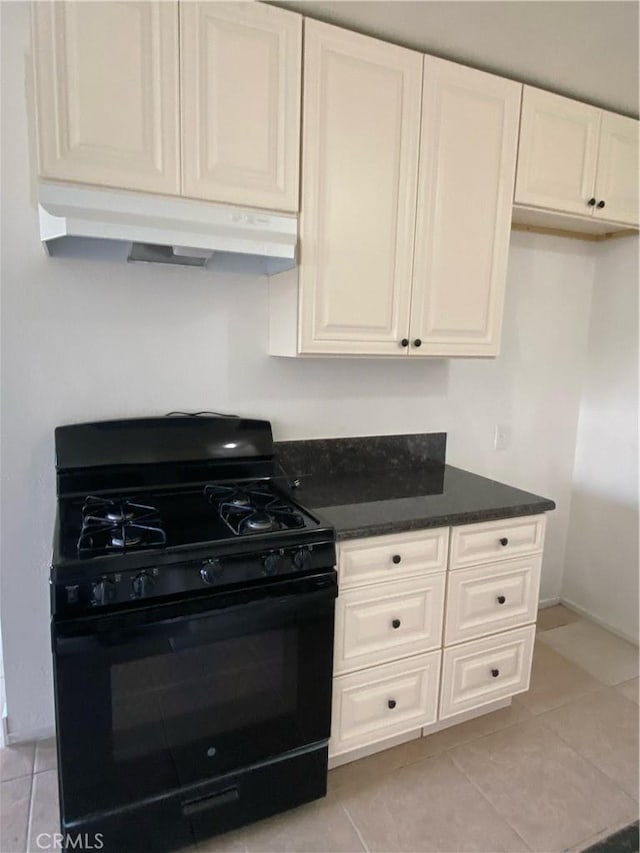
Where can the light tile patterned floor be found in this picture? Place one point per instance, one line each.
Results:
(556, 771)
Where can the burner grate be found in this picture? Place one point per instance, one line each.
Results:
(117, 525)
(252, 508)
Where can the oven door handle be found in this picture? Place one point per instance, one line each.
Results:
(224, 618)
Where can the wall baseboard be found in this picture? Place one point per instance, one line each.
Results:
(548, 602)
(27, 737)
(582, 611)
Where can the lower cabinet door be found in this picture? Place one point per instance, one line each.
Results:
(386, 621)
(483, 671)
(384, 701)
(486, 599)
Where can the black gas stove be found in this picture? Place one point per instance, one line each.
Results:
(115, 545)
(192, 631)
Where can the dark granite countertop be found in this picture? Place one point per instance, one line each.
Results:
(362, 490)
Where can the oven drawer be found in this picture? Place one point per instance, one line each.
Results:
(483, 671)
(384, 701)
(496, 540)
(401, 555)
(380, 623)
(486, 599)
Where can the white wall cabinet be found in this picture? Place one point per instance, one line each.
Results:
(390, 266)
(107, 93)
(361, 127)
(193, 99)
(617, 170)
(240, 96)
(467, 170)
(401, 641)
(577, 159)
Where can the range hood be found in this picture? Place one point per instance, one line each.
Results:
(107, 224)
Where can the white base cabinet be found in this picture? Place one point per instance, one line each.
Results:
(486, 599)
(433, 627)
(476, 673)
(388, 700)
(387, 621)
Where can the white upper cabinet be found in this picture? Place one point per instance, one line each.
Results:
(393, 265)
(577, 159)
(107, 93)
(240, 95)
(618, 170)
(467, 168)
(193, 99)
(558, 152)
(361, 126)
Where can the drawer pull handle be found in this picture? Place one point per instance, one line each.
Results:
(501, 599)
(504, 541)
(495, 673)
(396, 558)
(396, 623)
(391, 704)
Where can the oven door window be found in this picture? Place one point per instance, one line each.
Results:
(146, 711)
(228, 694)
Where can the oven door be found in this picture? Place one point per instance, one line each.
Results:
(164, 697)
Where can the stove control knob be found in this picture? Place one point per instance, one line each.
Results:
(142, 585)
(103, 591)
(302, 559)
(273, 563)
(211, 570)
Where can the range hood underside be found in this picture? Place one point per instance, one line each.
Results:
(118, 225)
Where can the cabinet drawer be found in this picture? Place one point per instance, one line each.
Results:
(379, 623)
(496, 540)
(384, 701)
(485, 670)
(486, 599)
(401, 555)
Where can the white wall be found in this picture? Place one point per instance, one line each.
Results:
(601, 574)
(90, 340)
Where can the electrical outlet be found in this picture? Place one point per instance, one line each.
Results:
(502, 438)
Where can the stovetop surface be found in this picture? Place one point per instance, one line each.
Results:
(128, 523)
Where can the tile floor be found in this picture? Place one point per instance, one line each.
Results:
(556, 771)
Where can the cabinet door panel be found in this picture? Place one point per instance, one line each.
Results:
(484, 671)
(617, 175)
(393, 557)
(488, 541)
(467, 166)
(379, 623)
(384, 701)
(240, 88)
(486, 599)
(359, 171)
(557, 153)
(107, 93)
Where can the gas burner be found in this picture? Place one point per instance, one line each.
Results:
(240, 499)
(259, 522)
(119, 514)
(253, 508)
(117, 523)
(127, 541)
